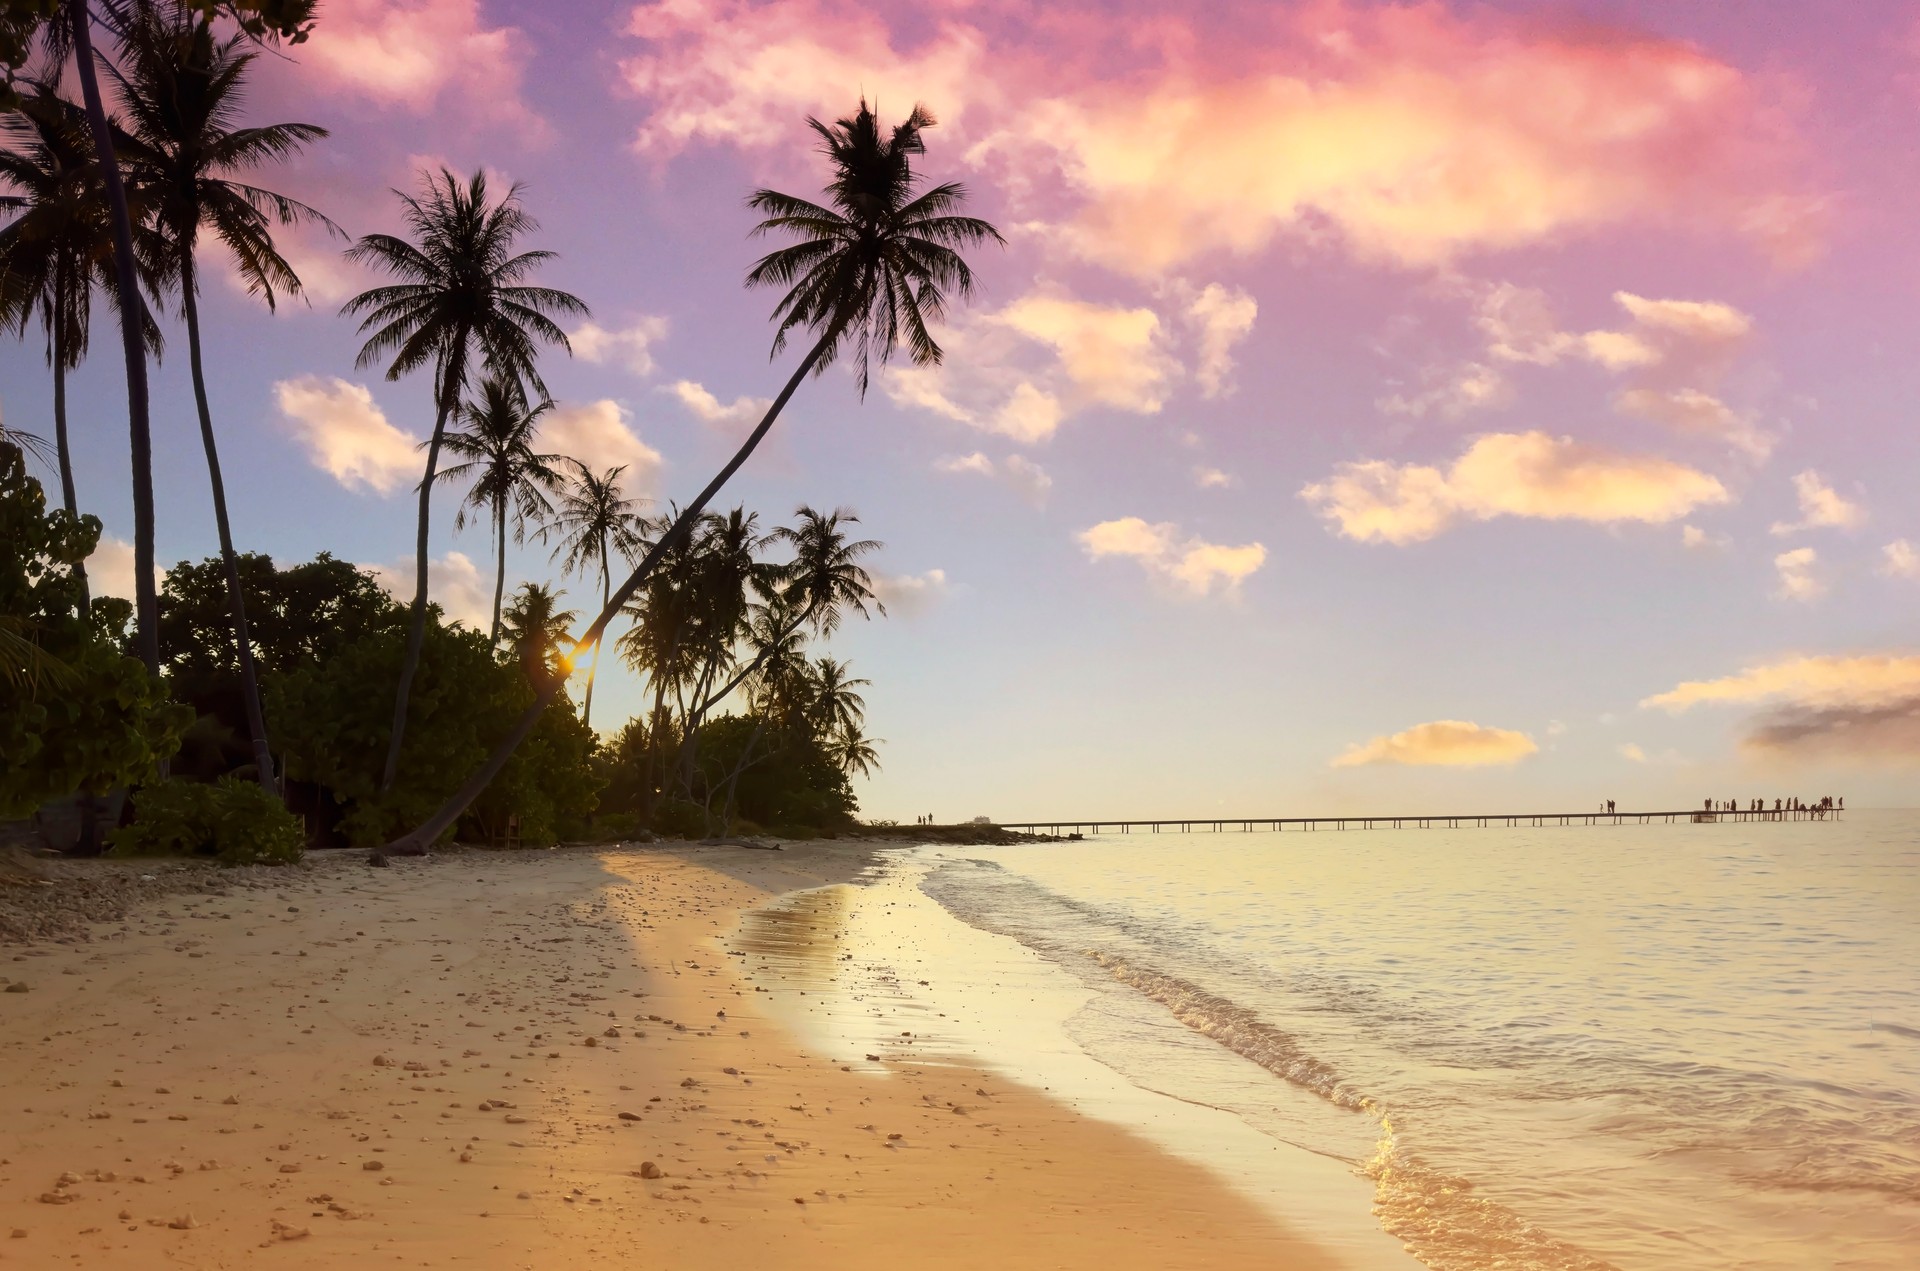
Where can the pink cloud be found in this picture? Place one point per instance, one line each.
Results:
(415, 54)
(1406, 132)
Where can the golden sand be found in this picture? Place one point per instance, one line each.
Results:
(485, 1060)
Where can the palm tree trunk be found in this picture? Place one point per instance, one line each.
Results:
(500, 567)
(759, 660)
(146, 598)
(416, 840)
(64, 452)
(236, 597)
(593, 667)
(453, 374)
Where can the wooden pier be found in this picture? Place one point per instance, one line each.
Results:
(1277, 824)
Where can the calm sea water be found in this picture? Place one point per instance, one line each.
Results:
(1689, 1047)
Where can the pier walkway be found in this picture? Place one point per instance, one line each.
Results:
(1217, 825)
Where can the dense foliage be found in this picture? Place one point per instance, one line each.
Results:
(118, 188)
(298, 617)
(235, 822)
(76, 715)
(332, 731)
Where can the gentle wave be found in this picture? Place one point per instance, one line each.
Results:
(1435, 1214)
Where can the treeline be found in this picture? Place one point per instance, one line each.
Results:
(114, 192)
(747, 730)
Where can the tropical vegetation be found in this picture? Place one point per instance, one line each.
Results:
(254, 709)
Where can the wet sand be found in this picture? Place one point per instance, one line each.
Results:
(523, 1060)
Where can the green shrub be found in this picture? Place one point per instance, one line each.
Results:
(235, 822)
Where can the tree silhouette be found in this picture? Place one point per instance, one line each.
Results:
(595, 518)
(182, 92)
(869, 274)
(59, 247)
(511, 480)
(462, 292)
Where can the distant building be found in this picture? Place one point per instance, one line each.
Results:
(982, 820)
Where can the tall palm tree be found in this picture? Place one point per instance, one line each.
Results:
(182, 91)
(59, 247)
(595, 519)
(869, 274)
(511, 480)
(462, 296)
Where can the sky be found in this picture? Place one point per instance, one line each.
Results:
(1392, 408)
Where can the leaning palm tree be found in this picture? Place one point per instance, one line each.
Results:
(182, 91)
(461, 297)
(59, 248)
(870, 273)
(511, 480)
(595, 519)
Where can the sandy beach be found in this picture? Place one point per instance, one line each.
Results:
(523, 1060)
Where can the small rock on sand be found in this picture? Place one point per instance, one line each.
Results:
(649, 1170)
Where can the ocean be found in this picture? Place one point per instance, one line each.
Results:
(1684, 1047)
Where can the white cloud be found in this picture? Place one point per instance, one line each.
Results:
(630, 346)
(1860, 707)
(1022, 371)
(417, 54)
(1192, 564)
(1221, 317)
(1825, 680)
(740, 415)
(1673, 353)
(1213, 479)
(1797, 579)
(1452, 392)
(1899, 559)
(454, 583)
(1114, 356)
(1020, 474)
(1531, 475)
(1452, 743)
(1630, 751)
(910, 595)
(1821, 507)
(347, 435)
(1408, 134)
(975, 463)
(600, 434)
(110, 569)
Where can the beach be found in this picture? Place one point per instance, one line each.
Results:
(534, 1059)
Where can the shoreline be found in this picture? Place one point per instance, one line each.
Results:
(488, 1059)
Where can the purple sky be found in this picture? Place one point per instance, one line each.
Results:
(1377, 407)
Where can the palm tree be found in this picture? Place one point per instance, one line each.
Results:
(853, 751)
(182, 91)
(536, 627)
(462, 296)
(510, 480)
(58, 249)
(836, 709)
(823, 578)
(870, 273)
(594, 520)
